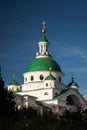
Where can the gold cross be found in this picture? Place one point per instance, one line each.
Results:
(43, 24)
(14, 76)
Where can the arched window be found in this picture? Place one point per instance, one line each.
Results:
(59, 79)
(46, 93)
(56, 94)
(41, 77)
(46, 84)
(32, 78)
(69, 101)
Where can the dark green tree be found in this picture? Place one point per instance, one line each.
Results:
(7, 105)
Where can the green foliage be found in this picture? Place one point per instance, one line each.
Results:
(29, 119)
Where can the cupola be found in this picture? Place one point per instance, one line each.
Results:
(43, 43)
(73, 84)
(13, 85)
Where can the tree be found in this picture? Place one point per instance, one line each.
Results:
(73, 120)
(7, 105)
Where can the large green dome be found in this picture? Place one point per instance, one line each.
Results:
(40, 64)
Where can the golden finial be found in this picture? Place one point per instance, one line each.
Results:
(43, 27)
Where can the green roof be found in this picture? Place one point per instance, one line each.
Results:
(40, 64)
(50, 77)
(43, 38)
(64, 92)
(16, 94)
(73, 84)
(13, 82)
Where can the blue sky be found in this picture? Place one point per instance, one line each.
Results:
(20, 31)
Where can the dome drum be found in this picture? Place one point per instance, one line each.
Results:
(40, 76)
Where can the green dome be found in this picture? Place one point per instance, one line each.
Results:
(13, 83)
(73, 83)
(50, 77)
(43, 64)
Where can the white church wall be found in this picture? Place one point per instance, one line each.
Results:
(32, 86)
(56, 92)
(43, 94)
(49, 84)
(36, 75)
(50, 103)
(60, 86)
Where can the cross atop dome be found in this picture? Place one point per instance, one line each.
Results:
(72, 78)
(14, 76)
(43, 27)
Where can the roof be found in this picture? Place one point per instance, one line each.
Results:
(40, 64)
(73, 83)
(63, 93)
(43, 38)
(24, 95)
(13, 82)
(50, 77)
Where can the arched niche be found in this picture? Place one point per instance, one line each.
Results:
(72, 100)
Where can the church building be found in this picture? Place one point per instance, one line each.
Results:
(43, 83)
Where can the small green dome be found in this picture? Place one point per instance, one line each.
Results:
(43, 38)
(40, 64)
(50, 77)
(13, 83)
(73, 83)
